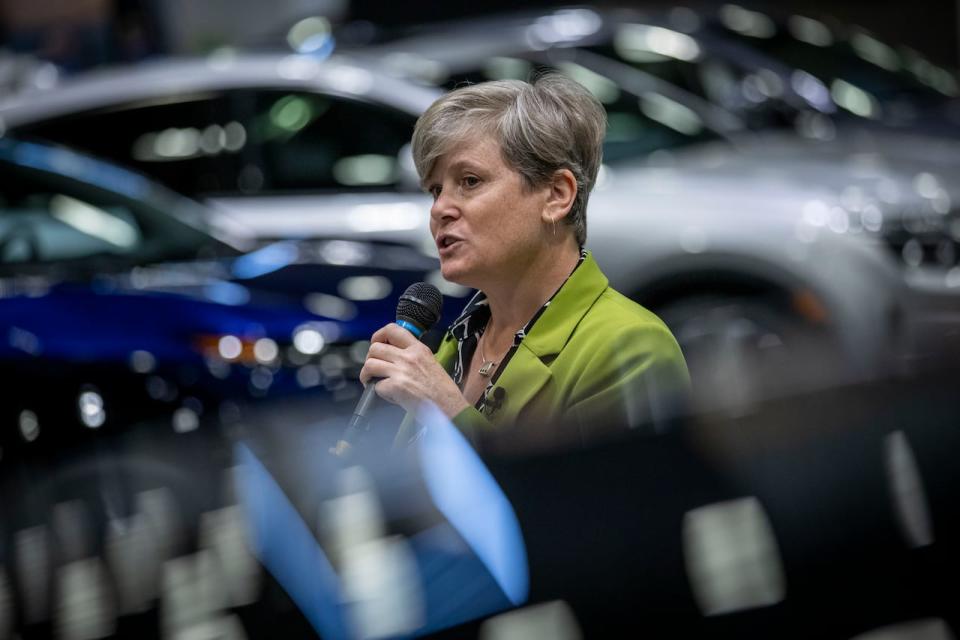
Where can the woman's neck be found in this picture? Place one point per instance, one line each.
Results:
(513, 303)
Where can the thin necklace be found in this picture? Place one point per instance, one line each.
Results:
(488, 365)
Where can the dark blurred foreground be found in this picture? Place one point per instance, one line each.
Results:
(830, 516)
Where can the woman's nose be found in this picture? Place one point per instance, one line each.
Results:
(444, 207)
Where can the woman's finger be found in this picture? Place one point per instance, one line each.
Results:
(384, 351)
(374, 368)
(394, 334)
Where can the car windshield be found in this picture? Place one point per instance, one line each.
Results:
(636, 125)
(57, 208)
(885, 72)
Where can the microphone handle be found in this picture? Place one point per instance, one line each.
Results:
(359, 422)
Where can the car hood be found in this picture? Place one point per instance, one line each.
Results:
(763, 171)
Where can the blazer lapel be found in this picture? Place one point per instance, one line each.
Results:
(526, 373)
(521, 380)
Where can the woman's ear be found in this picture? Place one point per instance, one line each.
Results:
(562, 193)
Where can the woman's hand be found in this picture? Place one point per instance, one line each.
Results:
(409, 372)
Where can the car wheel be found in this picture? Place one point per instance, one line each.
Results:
(741, 350)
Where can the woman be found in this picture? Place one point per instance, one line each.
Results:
(545, 340)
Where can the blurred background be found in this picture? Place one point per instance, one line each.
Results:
(206, 208)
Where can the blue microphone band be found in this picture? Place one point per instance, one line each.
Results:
(412, 328)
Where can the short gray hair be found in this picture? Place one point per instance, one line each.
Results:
(543, 126)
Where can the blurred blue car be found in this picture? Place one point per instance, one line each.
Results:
(106, 276)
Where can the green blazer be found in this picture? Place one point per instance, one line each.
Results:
(593, 357)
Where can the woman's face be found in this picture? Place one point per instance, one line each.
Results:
(486, 222)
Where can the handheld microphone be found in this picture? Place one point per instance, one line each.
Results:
(418, 309)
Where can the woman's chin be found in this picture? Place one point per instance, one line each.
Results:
(455, 273)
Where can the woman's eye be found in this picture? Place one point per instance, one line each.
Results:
(471, 181)
(435, 191)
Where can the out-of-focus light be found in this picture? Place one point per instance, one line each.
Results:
(907, 493)
(228, 293)
(347, 252)
(400, 216)
(308, 376)
(854, 99)
(474, 505)
(636, 43)
(912, 252)
(217, 368)
(731, 557)
(230, 347)
(565, 25)
(505, 68)
(29, 425)
(852, 197)
(235, 136)
(91, 409)
(749, 23)
(265, 350)
(24, 340)
(941, 202)
(311, 35)
(308, 340)
(871, 218)
(382, 585)
(671, 113)
(762, 85)
(176, 143)
(335, 307)
(350, 79)
(160, 389)
(362, 288)
(71, 526)
(94, 221)
(889, 191)
(693, 240)
(185, 420)
(213, 139)
(291, 113)
(333, 364)
(815, 212)
(923, 629)
(815, 126)
(810, 31)
(838, 220)
(604, 89)
(926, 184)
(224, 533)
(142, 361)
(812, 90)
(268, 259)
(85, 606)
(298, 67)
(365, 170)
(952, 279)
(554, 620)
(411, 65)
(222, 58)
(33, 566)
(875, 52)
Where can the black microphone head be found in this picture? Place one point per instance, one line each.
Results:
(420, 304)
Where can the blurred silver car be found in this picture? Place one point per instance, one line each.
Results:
(776, 271)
